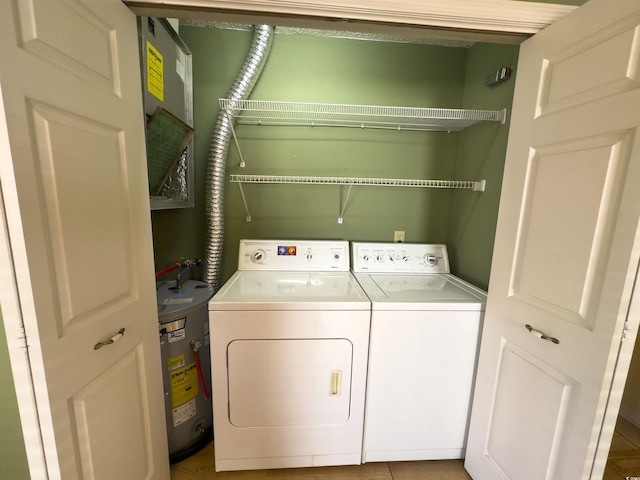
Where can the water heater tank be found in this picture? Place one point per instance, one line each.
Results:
(186, 365)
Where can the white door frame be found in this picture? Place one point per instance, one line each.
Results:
(494, 21)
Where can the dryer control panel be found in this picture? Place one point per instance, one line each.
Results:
(294, 255)
(399, 258)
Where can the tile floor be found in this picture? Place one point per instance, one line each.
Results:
(624, 455)
(200, 467)
(624, 462)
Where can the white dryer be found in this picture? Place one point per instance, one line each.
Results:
(425, 329)
(289, 344)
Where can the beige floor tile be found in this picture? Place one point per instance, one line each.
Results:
(620, 443)
(625, 467)
(624, 461)
(197, 467)
(429, 470)
(369, 471)
(200, 467)
(629, 431)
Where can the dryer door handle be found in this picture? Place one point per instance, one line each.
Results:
(335, 384)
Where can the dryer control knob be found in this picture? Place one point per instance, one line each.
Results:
(258, 256)
(309, 256)
(336, 257)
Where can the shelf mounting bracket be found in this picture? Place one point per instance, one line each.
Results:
(235, 139)
(244, 200)
(344, 205)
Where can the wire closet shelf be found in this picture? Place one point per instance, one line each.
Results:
(276, 113)
(375, 182)
(476, 186)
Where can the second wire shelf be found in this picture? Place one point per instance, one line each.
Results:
(477, 186)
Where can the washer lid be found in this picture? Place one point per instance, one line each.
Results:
(421, 292)
(266, 290)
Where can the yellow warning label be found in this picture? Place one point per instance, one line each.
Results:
(175, 362)
(155, 72)
(184, 384)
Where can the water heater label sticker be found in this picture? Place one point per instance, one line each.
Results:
(155, 72)
(184, 385)
(177, 335)
(184, 412)
(177, 301)
(175, 362)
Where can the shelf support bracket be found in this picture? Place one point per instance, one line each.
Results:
(235, 139)
(479, 186)
(502, 116)
(344, 205)
(244, 200)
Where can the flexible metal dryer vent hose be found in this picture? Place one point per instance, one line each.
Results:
(219, 147)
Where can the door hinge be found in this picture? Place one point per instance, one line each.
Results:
(23, 338)
(625, 329)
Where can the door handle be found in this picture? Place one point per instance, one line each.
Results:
(541, 335)
(111, 340)
(335, 386)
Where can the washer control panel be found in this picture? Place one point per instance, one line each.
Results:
(399, 258)
(294, 255)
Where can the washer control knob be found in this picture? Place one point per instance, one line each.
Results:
(379, 258)
(336, 257)
(431, 260)
(365, 258)
(405, 258)
(309, 256)
(258, 256)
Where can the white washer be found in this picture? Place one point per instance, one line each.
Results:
(289, 344)
(425, 326)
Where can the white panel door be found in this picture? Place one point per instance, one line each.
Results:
(566, 251)
(77, 239)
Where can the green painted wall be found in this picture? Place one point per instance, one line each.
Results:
(13, 457)
(316, 69)
(481, 155)
(313, 69)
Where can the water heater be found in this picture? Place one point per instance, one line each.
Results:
(186, 365)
